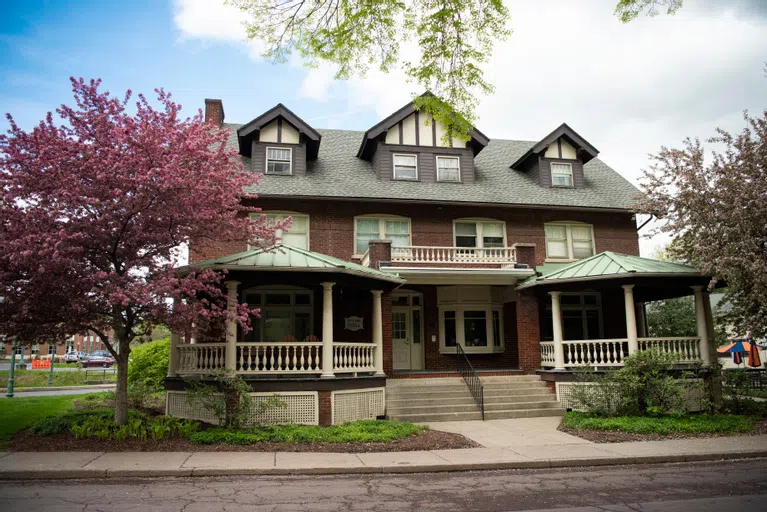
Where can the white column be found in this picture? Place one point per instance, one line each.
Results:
(327, 330)
(378, 332)
(700, 317)
(631, 320)
(556, 318)
(231, 327)
(174, 340)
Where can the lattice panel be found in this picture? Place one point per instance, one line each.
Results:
(358, 404)
(692, 395)
(178, 405)
(302, 408)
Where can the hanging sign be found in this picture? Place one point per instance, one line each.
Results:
(353, 323)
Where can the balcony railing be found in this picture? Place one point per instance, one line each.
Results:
(612, 352)
(454, 255)
(275, 358)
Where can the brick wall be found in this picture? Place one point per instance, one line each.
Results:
(528, 331)
(326, 408)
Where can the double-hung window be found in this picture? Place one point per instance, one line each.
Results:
(448, 168)
(405, 167)
(396, 229)
(471, 233)
(279, 161)
(569, 241)
(297, 234)
(561, 175)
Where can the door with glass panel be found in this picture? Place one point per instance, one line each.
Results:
(407, 331)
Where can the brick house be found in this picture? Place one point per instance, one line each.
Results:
(411, 256)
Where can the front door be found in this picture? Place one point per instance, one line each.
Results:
(401, 339)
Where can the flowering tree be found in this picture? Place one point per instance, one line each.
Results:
(92, 214)
(716, 209)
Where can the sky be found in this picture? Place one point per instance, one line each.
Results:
(628, 89)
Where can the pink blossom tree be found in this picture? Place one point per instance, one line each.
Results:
(94, 210)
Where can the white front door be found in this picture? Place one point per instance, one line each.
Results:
(400, 324)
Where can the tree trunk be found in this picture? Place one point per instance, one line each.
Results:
(121, 393)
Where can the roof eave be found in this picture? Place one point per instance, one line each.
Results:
(625, 275)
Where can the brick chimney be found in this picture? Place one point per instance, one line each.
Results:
(526, 254)
(379, 251)
(214, 112)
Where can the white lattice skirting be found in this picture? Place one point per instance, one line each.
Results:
(302, 408)
(358, 404)
(692, 396)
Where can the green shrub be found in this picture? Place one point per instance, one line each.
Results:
(687, 424)
(149, 364)
(364, 431)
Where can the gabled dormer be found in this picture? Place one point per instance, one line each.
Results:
(558, 159)
(279, 142)
(410, 146)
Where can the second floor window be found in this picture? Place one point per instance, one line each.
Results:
(448, 168)
(296, 235)
(569, 241)
(279, 160)
(380, 228)
(561, 175)
(405, 167)
(470, 233)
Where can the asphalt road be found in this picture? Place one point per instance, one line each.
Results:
(739, 485)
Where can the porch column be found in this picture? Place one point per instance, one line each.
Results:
(631, 320)
(641, 320)
(174, 340)
(556, 317)
(231, 327)
(700, 317)
(378, 332)
(327, 330)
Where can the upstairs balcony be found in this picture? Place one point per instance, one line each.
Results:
(449, 256)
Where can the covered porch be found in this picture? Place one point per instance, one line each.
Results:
(593, 311)
(299, 334)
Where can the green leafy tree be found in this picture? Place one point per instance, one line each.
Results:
(672, 317)
(628, 10)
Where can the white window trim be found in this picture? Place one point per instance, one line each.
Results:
(452, 157)
(292, 307)
(279, 233)
(394, 167)
(381, 228)
(266, 161)
(568, 225)
(478, 222)
(551, 174)
(460, 309)
(584, 307)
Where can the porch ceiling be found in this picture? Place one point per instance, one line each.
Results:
(458, 276)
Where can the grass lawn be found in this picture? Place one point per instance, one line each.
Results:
(39, 378)
(687, 424)
(19, 413)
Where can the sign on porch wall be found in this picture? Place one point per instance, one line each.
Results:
(353, 323)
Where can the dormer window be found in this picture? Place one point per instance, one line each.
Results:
(561, 175)
(279, 160)
(448, 168)
(405, 167)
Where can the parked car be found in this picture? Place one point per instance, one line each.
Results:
(100, 358)
(71, 357)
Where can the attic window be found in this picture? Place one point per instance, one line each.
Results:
(278, 160)
(405, 167)
(448, 168)
(561, 175)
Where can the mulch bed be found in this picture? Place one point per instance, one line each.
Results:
(426, 440)
(611, 436)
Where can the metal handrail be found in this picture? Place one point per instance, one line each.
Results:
(470, 377)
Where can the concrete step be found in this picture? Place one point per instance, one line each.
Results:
(510, 378)
(523, 413)
(425, 402)
(553, 404)
(431, 409)
(519, 399)
(423, 382)
(449, 416)
(426, 394)
(514, 385)
(517, 392)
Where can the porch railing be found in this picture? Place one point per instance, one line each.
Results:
(453, 255)
(353, 357)
(201, 359)
(473, 382)
(279, 358)
(612, 352)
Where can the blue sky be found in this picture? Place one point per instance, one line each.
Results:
(628, 89)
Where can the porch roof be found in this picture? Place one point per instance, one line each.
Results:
(611, 265)
(286, 258)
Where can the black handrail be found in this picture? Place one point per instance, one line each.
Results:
(471, 378)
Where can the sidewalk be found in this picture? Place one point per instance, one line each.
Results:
(508, 444)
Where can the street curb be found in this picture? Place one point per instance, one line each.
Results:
(63, 473)
(59, 388)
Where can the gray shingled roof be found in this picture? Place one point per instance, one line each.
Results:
(337, 172)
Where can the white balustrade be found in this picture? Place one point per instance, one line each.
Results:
(601, 353)
(453, 255)
(201, 358)
(353, 357)
(279, 358)
(547, 354)
(687, 349)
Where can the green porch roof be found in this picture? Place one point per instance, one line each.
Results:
(283, 257)
(607, 265)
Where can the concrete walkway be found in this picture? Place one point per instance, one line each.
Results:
(60, 390)
(508, 444)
